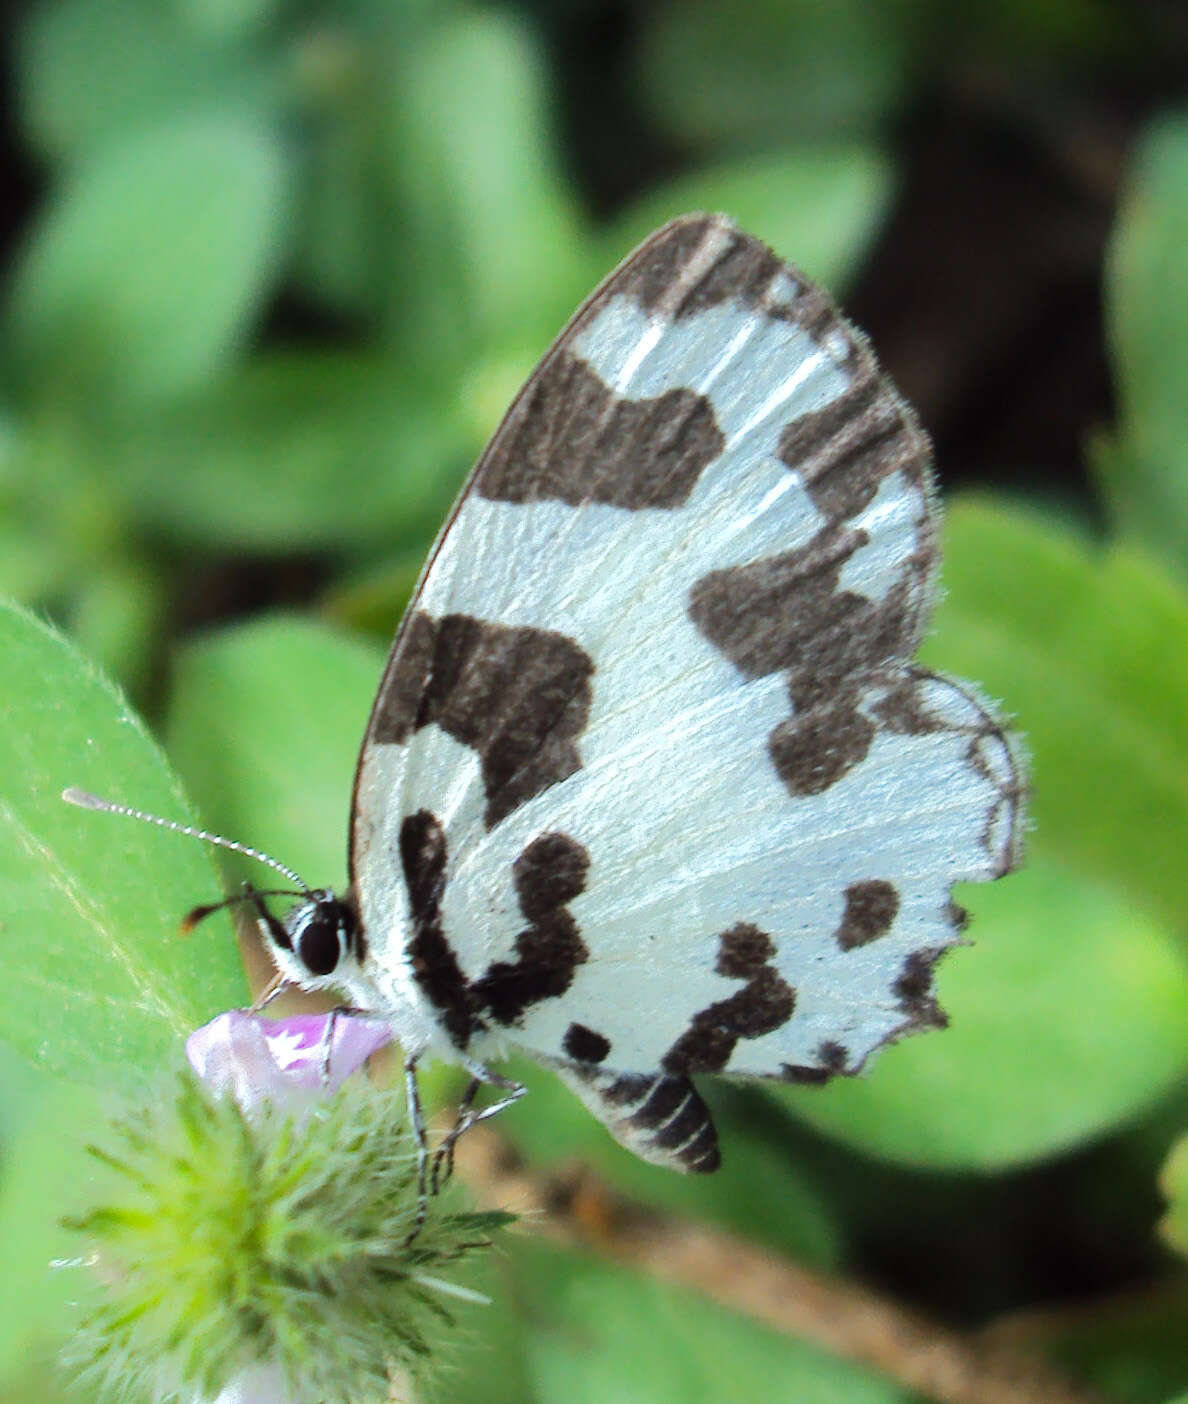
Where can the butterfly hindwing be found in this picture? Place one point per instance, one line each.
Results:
(651, 784)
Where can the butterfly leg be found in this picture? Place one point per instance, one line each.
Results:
(443, 1160)
(276, 985)
(328, 1045)
(338, 1012)
(416, 1115)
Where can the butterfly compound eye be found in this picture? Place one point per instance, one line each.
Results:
(319, 944)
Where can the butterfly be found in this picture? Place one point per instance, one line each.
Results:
(652, 786)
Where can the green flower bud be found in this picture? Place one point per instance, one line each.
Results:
(258, 1248)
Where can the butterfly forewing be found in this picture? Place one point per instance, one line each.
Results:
(651, 785)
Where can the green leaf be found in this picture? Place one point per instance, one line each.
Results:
(71, 105)
(37, 506)
(359, 222)
(42, 1379)
(1133, 1348)
(1068, 1015)
(1068, 36)
(115, 616)
(31, 569)
(45, 1174)
(1089, 650)
(344, 254)
(1174, 1184)
(102, 985)
(372, 600)
(299, 452)
(229, 20)
(483, 185)
(144, 272)
(798, 71)
(598, 1333)
(265, 723)
(484, 1361)
(1144, 471)
(819, 207)
(758, 1192)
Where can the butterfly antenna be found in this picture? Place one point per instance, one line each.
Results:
(84, 800)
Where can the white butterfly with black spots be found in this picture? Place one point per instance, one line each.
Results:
(652, 786)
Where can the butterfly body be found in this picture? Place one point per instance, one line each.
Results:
(652, 786)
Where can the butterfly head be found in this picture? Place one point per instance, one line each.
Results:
(316, 945)
(320, 942)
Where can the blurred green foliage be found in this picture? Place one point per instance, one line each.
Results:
(289, 264)
(1144, 468)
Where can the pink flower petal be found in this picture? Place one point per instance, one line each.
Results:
(258, 1060)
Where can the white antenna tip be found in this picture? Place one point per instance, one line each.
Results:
(83, 799)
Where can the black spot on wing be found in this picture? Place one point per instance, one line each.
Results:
(807, 1077)
(744, 952)
(571, 438)
(844, 451)
(832, 1058)
(913, 988)
(902, 709)
(697, 263)
(870, 912)
(550, 872)
(790, 613)
(518, 697)
(764, 1004)
(584, 1045)
(403, 686)
(434, 964)
(812, 752)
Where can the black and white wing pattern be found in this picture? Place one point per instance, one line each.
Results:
(652, 786)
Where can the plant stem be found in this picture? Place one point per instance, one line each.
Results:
(851, 1321)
